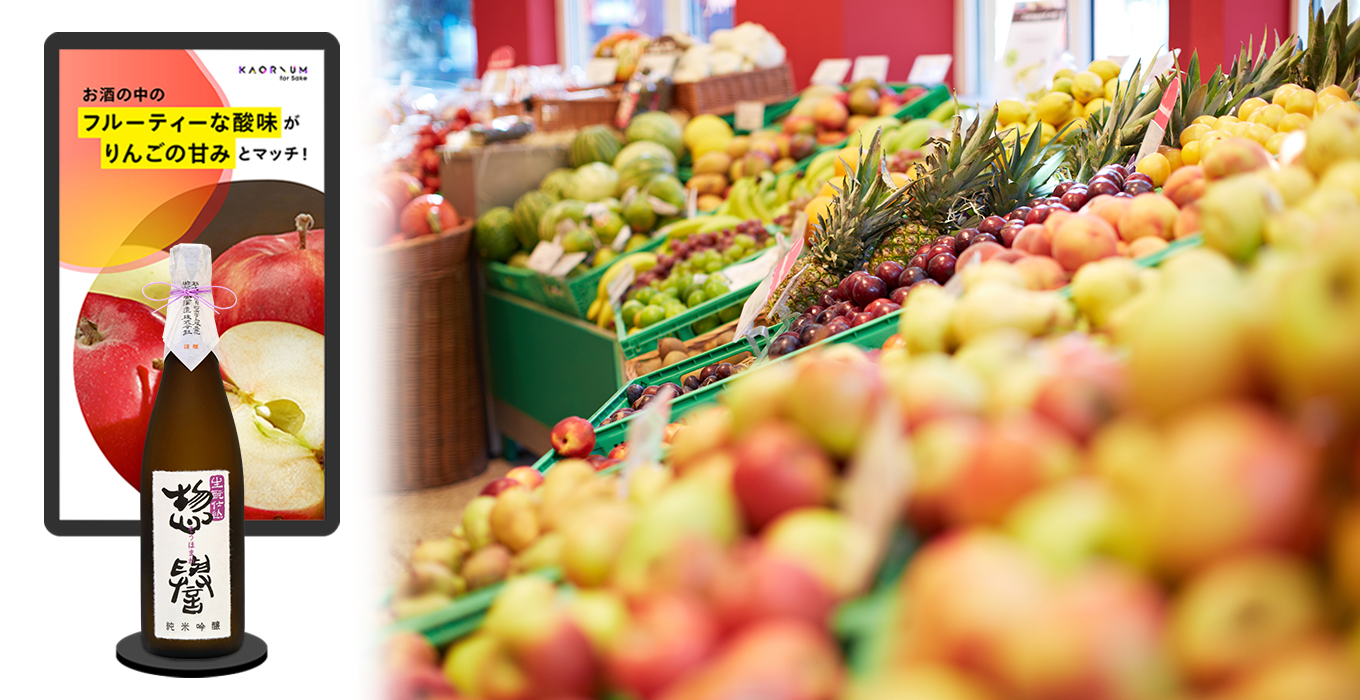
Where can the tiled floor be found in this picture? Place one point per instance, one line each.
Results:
(415, 515)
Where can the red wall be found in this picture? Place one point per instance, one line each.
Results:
(1218, 29)
(813, 30)
(527, 26)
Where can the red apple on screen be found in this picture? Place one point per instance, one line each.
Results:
(118, 352)
(275, 375)
(275, 278)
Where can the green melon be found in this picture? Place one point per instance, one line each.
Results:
(640, 171)
(594, 144)
(554, 182)
(529, 210)
(668, 189)
(642, 149)
(658, 127)
(494, 235)
(565, 209)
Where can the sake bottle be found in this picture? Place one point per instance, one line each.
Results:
(192, 507)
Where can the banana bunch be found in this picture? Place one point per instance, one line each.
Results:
(601, 311)
(704, 223)
(761, 198)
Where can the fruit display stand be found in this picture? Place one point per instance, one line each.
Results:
(918, 108)
(721, 93)
(775, 112)
(570, 114)
(571, 296)
(543, 366)
(682, 325)
(479, 178)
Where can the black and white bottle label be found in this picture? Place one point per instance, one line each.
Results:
(191, 555)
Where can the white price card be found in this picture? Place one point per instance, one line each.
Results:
(875, 67)
(544, 256)
(750, 116)
(739, 276)
(930, 68)
(566, 264)
(496, 82)
(831, 71)
(620, 284)
(602, 71)
(621, 240)
(662, 207)
(691, 202)
(658, 65)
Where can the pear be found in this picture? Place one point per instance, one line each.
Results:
(447, 551)
(1233, 213)
(592, 539)
(514, 521)
(699, 505)
(1101, 287)
(925, 320)
(544, 553)
(477, 521)
(465, 661)
(1331, 140)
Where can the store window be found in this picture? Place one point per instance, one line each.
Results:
(1008, 48)
(430, 39)
(583, 23)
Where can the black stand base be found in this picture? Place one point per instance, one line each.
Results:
(131, 654)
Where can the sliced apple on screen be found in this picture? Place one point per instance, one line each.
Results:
(128, 284)
(275, 376)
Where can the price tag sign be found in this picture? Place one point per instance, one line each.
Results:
(620, 284)
(646, 433)
(565, 265)
(496, 82)
(875, 67)
(750, 115)
(544, 256)
(1163, 63)
(662, 207)
(787, 251)
(739, 276)
(658, 65)
(602, 71)
(691, 202)
(930, 68)
(876, 485)
(831, 71)
(621, 240)
(1157, 128)
(503, 58)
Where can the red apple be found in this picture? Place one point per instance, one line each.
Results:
(116, 368)
(400, 187)
(775, 660)
(1019, 454)
(834, 400)
(779, 469)
(573, 437)
(425, 215)
(494, 488)
(764, 586)
(620, 451)
(275, 278)
(528, 476)
(671, 635)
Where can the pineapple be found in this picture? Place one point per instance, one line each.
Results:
(1332, 56)
(948, 191)
(861, 215)
(1113, 136)
(1221, 94)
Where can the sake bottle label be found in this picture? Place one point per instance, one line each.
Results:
(191, 555)
(190, 329)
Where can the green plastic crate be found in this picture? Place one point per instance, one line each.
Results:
(676, 371)
(644, 339)
(571, 296)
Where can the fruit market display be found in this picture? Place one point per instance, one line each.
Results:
(746, 47)
(829, 113)
(639, 394)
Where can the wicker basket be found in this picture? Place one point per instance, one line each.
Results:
(559, 115)
(437, 420)
(721, 93)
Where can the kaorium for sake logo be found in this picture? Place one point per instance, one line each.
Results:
(283, 72)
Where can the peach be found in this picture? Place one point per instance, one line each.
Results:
(831, 115)
(1034, 239)
(1018, 455)
(981, 252)
(1185, 185)
(1148, 214)
(1055, 219)
(1111, 209)
(1082, 239)
(779, 468)
(528, 476)
(1233, 157)
(1010, 255)
(1146, 246)
(1187, 221)
(1041, 272)
(669, 638)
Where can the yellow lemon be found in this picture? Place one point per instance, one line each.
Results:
(1172, 156)
(1301, 102)
(1107, 70)
(1260, 133)
(1157, 167)
(1206, 119)
(1113, 86)
(1293, 122)
(1011, 112)
(1326, 101)
(1094, 106)
(1249, 107)
(1046, 132)
(1274, 143)
(1227, 119)
(1270, 115)
(1336, 91)
(1062, 85)
(1190, 153)
(1194, 132)
(1071, 129)
(818, 206)
(1283, 92)
(1053, 107)
(1063, 73)
(1087, 86)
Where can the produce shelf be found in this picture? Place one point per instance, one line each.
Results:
(571, 296)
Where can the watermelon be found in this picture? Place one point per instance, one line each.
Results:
(529, 210)
(640, 149)
(567, 209)
(494, 235)
(594, 144)
(668, 189)
(658, 127)
(556, 180)
(592, 182)
(640, 171)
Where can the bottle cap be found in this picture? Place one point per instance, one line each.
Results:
(190, 331)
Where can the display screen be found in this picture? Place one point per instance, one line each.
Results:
(228, 140)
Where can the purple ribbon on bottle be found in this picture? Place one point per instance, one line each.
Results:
(196, 293)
